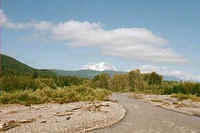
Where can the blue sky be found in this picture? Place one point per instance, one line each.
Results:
(153, 35)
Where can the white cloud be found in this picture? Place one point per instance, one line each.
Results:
(167, 72)
(9, 24)
(102, 66)
(131, 43)
(42, 25)
(3, 18)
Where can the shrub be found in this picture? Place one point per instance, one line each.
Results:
(26, 97)
(181, 96)
(101, 81)
(12, 83)
(64, 95)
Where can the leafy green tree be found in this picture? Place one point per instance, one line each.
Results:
(120, 82)
(136, 79)
(153, 78)
(101, 81)
(35, 75)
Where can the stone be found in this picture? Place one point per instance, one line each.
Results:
(27, 121)
(63, 113)
(8, 125)
(68, 118)
(44, 121)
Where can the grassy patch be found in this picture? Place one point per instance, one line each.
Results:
(195, 98)
(137, 96)
(64, 95)
(156, 100)
(182, 97)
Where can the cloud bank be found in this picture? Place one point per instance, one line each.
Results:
(167, 72)
(131, 43)
(3, 18)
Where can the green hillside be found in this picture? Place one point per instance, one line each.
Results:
(15, 67)
(11, 66)
(84, 73)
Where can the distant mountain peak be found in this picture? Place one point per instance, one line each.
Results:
(101, 66)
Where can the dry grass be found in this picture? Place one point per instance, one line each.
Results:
(156, 100)
(45, 95)
(182, 97)
(137, 96)
(195, 99)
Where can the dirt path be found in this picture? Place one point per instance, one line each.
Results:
(145, 118)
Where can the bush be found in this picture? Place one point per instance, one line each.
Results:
(119, 83)
(26, 97)
(64, 95)
(181, 96)
(12, 83)
(101, 81)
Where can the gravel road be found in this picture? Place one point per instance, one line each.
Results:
(145, 118)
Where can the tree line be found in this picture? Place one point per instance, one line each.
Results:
(153, 83)
(133, 81)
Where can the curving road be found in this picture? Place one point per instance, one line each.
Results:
(145, 118)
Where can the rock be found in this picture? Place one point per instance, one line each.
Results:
(34, 108)
(196, 114)
(77, 108)
(1, 125)
(113, 100)
(180, 105)
(63, 113)
(166, 103)
(93, 107)
(39, 116)
(196, 104)
(138, 96)
(8, 125)
(12, 112)
(171, 100)
(27, 121)
(44, 121)
(68, 118)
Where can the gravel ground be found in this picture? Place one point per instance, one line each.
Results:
(60, 118)
(188, 106)
(147, 118)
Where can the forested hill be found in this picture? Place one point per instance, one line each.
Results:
(11, 66)
(15, 67)
(85, 73)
